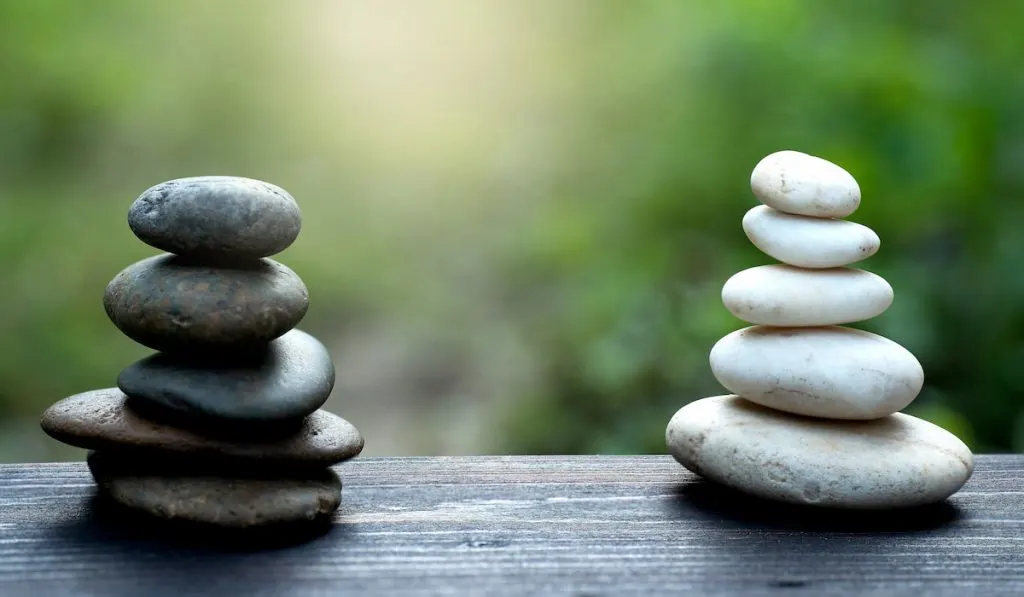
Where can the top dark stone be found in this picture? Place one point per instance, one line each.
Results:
(216, 217)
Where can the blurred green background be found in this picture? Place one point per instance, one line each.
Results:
(518, 216)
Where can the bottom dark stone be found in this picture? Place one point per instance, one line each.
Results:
(174, 490)
(111, 522)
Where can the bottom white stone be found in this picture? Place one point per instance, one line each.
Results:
(892, 462)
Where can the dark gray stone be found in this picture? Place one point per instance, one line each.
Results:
(289, 380)
(103, 420)
(171, 303)
(216, 217)
(190, 492)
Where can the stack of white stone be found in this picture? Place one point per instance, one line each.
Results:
(812, 417)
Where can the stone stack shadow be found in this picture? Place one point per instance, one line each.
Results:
(223, 424)
(813, 415)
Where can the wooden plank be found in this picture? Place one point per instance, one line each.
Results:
(525, 526)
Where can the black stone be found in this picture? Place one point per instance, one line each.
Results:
(290, 379)
(216, 217)
(227, 430)
(174, 304)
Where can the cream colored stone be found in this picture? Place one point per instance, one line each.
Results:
(803, 184)
(784, 295)
(804, 241)
(897, 461)
(831, 372)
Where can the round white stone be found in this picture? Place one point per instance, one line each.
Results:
(802, 184)
(831, 372)
(784, 295)
(804, 241)
(897, 461)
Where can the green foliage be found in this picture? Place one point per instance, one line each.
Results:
(919, 104)
(574, 188)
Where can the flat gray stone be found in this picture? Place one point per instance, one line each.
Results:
(169, 491)
(102, 420)
(292, 378)
(173, 304)
(216, 217)
(897, 461)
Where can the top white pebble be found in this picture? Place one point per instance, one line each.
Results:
(801, 184)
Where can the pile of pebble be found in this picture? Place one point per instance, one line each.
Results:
(812, 418)
(223, 425)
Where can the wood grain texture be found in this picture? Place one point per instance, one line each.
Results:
(522, 526)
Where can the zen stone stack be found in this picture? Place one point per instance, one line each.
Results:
(813, 415)
(223, 425)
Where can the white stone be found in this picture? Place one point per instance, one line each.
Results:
(804, 241)
(802, 184)
(784, 295)
(897, 461)
(832, 372)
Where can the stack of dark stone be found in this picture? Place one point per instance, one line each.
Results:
(223, 425)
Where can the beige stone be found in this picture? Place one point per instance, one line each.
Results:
(784, 295)
(802, 184)
(832, 372)
(896, 461)
(809, 242)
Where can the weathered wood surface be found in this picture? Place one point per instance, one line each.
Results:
(524, 526)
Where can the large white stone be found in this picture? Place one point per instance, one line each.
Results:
(897, 461)
(832, 372)
(784, 295)
(802, 184)
(804, 241)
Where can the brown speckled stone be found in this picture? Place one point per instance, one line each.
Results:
(169, 303)
(175, 491)
(216, 217)
(101, 420)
